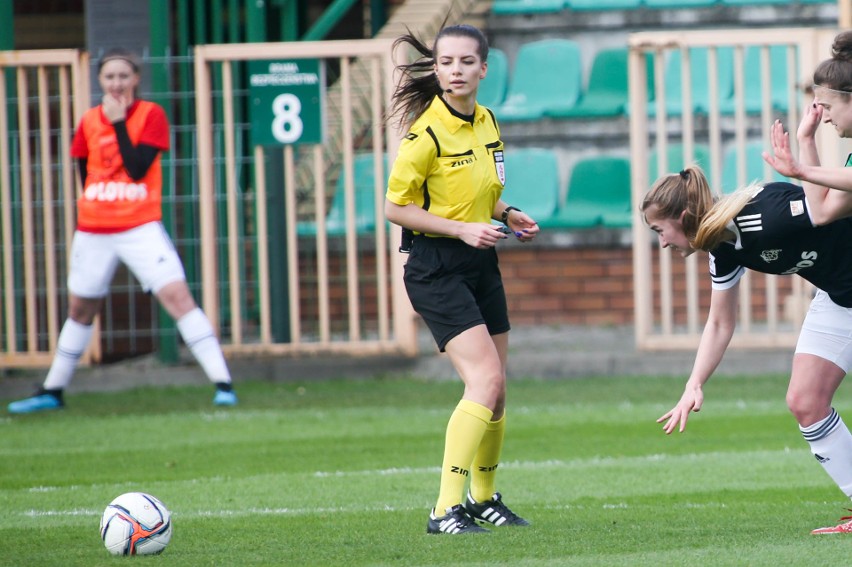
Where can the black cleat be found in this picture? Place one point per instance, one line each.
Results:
(457, 521)
(493, 511)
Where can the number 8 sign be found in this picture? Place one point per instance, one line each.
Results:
(287, 102)
(287, 126)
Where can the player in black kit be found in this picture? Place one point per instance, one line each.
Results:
(768, 229)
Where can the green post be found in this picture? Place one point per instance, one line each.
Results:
(326, 22)
(7, 25)
(167, 349)
(256, 17)
(255, 21)
(184, 124)
(378, 16)
(7, 42)
(289, 20)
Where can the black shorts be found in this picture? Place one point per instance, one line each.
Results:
(455, 287)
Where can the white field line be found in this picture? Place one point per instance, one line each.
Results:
(775, 457)
(355, 509)
(596, 462)
(358, 509)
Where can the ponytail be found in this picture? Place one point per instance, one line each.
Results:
(419, 84)
(687, 193)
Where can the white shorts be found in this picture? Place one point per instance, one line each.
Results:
(827, 332)
(146, 250)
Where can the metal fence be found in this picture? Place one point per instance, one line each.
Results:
(290, 279)
(42, 93)
(324, 289)
(703, 125)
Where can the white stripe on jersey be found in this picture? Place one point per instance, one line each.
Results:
(750, 223)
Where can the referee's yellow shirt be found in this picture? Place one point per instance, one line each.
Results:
(450, 167)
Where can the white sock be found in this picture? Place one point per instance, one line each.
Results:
(831, 444)
(73, 340)
(197, 333)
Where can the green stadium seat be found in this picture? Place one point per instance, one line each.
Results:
(365, 209)
(755, 170)
(547, 76)
(532, 181)
(676, 160)
(607, 92)
(492, 89)
(753, 2)
(699, 63)
(522, 7)
(583, 5)
(598, 195)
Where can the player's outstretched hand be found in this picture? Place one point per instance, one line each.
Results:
(781, 159)
(690, 401)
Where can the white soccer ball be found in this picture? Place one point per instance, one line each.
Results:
(136, 523)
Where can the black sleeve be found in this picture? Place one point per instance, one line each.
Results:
(137, 159)
(82, 163)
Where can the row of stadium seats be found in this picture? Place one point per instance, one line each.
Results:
(547, 81)
(522, 7)
(598, 188)
(597, 193)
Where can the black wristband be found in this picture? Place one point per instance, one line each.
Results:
(505, 216)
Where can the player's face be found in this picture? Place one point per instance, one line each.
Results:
(836, 110)
(117, 78)
(669, 231)
(458, 66)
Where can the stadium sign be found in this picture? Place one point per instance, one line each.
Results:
(287, 102)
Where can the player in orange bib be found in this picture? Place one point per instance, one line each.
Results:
(118, 145)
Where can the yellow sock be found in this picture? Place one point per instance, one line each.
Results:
(484, 468)
(464, 434)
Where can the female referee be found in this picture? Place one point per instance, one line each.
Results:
(444, 190)
(770, 229)
(118, 145)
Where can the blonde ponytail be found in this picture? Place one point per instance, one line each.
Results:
(713, 228)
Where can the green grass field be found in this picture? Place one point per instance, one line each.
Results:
(344, 473)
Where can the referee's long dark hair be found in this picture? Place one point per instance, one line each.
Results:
(419, 83)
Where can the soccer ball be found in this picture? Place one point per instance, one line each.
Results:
(136, 523)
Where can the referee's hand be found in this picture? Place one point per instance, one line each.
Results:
(524, 227)
(482, 234)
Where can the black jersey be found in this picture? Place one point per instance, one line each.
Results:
(775, 235)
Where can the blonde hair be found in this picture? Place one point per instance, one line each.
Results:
(712, 231)
(705, 218)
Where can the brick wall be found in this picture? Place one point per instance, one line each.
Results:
(593, 285)
(568, 285)
(585, 281)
